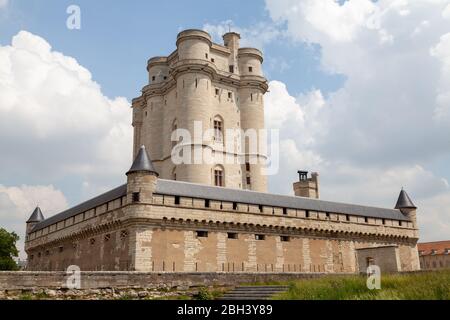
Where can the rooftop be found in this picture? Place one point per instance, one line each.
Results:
(437, 247)
(186, 189)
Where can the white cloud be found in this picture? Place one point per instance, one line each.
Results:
(54, 120)
(256, 36)
(56, 127)
(3, 3)
(17, 204)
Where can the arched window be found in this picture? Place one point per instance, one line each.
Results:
(219, 176)
(218, 129)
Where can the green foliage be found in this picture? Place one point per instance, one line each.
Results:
(413, 286)
(8, 250)
(205, 294)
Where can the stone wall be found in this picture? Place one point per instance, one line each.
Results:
(144, 280)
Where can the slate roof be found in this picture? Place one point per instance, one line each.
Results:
(178, 188)
(142, 162)
(36, 216)
(404, 201)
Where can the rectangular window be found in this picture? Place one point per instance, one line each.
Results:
(285, 238)
(230, 95)
(218, 178)
(261, 208)
(206, 55)
(207, 203)
(218, 129)
(136, 197)
(307, 213)
(247, 166)
(235, 206)
(177, 199)
(212, 60)
(250, 69)
(61, 249)
(384, 221)
(232, 235)
(217, 92)
(153, 78)
(231, 68)
(202, 234)
(284, 211)
(347, 217)
(249, 181)
(260, 237)
(366, 220)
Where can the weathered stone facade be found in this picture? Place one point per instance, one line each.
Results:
(205, 82)
(156, 225)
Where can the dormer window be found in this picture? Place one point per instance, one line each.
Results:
(433, 251)
(447, 251)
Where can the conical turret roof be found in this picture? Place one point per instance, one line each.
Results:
(142, 162)
(36, 216)
(404, 201)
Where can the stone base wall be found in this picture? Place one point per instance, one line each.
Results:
(139, 280)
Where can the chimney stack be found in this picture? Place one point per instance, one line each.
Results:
(307, 187)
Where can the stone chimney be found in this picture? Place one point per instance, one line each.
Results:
(307, 187)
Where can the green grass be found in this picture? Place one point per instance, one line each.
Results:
(413, 286)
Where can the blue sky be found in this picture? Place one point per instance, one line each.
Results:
(134, 31)
(358, 89)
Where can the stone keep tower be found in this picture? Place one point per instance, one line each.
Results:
(206, 86)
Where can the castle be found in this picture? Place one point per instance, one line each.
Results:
(216, 215)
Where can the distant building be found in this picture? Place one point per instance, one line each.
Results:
(434, 255)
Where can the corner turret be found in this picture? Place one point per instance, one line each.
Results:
(407, 207)
(142, 178)
(34, 219)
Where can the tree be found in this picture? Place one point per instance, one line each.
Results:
(8, 250)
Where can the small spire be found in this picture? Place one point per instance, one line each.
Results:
(36, 216)
(142, 162)
(404, 201)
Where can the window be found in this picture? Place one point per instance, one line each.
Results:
(39, 255)
(235, 206)
(370, 261)
(212, 60)
(47, 252)
(384, 221)
(231, 68)
(251, 96)
(218, 129)
(400, 223)
(327, 215)
(136, 197)
(202, 234)
(207, 204)
(217, 92)
(206, 55)
(230, 95)
(447, 251)
(284, 211)
(261, 208)
(153, 78)
(250, 69)
(285, 238)
(107, 237)
(177, 199)
(260, 237)
(232, 235)
(92, 241)
(247, 166)
(366, 220)
(218, 177)
(433, 251)
(165, 77)
(61, 249)
(249, 181)
(307, 214)
(347, 217)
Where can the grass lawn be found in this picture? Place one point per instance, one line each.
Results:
(413, 286)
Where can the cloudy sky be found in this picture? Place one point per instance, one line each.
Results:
(359, 89)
